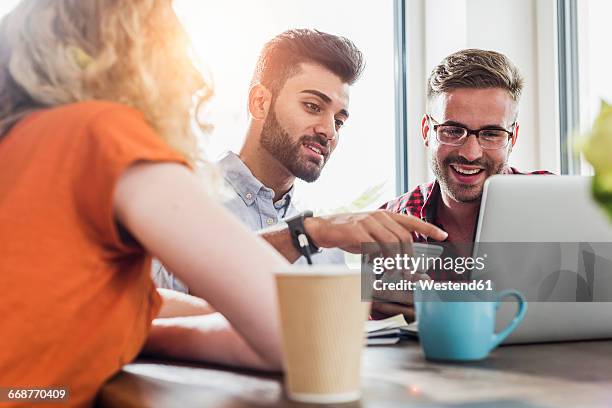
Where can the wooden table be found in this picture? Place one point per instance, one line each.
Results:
(551, 375)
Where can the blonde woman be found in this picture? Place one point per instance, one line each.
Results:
(95, 156)
(96, 159)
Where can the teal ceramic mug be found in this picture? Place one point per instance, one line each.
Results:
(454, 330)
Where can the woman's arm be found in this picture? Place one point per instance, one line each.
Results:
(165, 208)
(176, 303)
(206, 338)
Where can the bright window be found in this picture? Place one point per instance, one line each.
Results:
(6, 6)
(584, 32)
(594, 57)
(228, 37)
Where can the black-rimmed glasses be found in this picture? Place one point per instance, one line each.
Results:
(456, 135)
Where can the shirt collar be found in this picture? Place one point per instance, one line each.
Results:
(431, 196)
(246, 185)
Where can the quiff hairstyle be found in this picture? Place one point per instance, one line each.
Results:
(477, 69)
(281, 57)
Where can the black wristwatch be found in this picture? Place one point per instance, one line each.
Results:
(301, 240)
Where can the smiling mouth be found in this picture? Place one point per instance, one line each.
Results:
(315, 149)
(466, 171)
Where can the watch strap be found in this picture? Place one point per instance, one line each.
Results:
(299, 236)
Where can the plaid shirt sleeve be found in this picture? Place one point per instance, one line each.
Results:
(409, 203)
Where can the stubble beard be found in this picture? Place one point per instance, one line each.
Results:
(462, 193)
(276, 141)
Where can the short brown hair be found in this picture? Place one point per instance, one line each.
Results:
(281, 56)
(474, 68)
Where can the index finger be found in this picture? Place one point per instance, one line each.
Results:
(415, 224)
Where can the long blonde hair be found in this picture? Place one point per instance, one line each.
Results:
(135, 52)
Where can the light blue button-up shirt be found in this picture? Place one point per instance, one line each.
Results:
(253, 204)
(251, 201)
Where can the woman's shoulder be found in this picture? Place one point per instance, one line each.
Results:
(89, 121)
(80, 115)
(90, 110)
(106, 129)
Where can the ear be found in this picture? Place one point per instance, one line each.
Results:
(515, 134)
(260, 99)
(425, 130)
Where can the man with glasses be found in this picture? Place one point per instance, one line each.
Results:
(469, 130)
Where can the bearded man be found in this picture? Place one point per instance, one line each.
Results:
(298, 103)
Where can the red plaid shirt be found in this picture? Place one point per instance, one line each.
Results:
(422, 202)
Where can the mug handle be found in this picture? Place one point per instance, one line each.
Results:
(522, 309)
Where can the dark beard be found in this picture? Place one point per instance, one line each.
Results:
(277, 142)
(460, 192)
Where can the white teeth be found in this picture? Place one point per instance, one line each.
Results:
(314, 149)
(465, 171)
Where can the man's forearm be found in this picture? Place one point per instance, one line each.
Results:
(280, 239)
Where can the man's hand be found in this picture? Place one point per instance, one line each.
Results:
(181, 304)
(390, 231)
(382, 310)
(349, 231)
(387, 303)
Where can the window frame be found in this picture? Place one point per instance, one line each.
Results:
(569, 84)
(401, 102)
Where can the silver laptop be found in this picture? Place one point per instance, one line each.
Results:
(569, 235)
